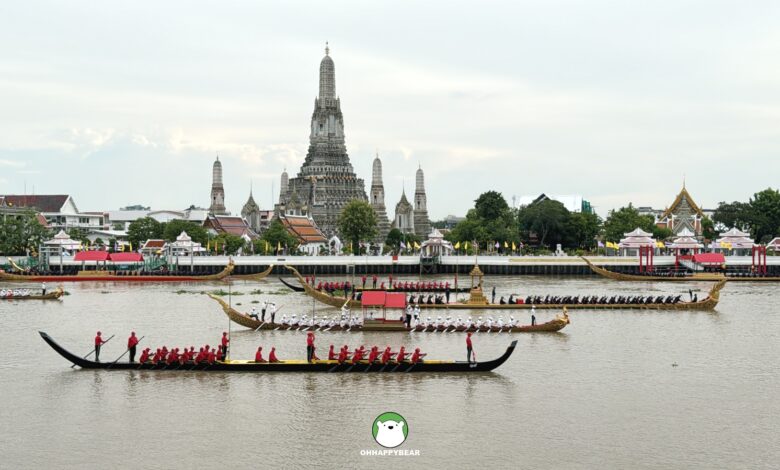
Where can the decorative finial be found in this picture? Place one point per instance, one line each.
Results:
(327, 49)
(683, 180)
(250, 188)
(217, 157)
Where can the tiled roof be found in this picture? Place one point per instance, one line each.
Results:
(44, 203)
(303, 228)
(230, 224)
(153, 244)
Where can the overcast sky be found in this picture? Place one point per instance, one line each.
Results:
(128, 103)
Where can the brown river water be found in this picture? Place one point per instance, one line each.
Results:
(615, 389)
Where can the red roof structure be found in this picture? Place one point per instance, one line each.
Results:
(373, 298)
(130, 257)
(95, 255)
(303, 228)
(709, 258)
(395, 300)
(229, 224)
(153, 244)
(43, 203)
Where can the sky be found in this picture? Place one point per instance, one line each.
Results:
(121, 103)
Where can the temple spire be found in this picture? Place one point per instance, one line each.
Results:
(327, 76)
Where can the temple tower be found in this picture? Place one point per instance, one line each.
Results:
(251, 212)
(404, 215)
(283, 187)
(217, 206)
(326, 181)
(378, 200)
(422, 225)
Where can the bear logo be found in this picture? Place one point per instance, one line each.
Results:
(390, 430)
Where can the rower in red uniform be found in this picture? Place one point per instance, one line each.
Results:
(417, 356)
(331, 354)
(132, 342)
(157, 356)
(219, 356)
(211, 356)
(343, 353)
(401, 355)
(373, 354)
(98, 342)
(357, 356)
(469, 348)
(144, 356)
(259, 354)
(272, 356)
(387, 355)
(225, 341)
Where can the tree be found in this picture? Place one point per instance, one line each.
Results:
(731, 214)
(276, 236)
(490, 221)
(20, 235)
(79, 234)
(548, 219)
(708, 228)
(357, 222)
(229, 242)
(625, 220)
(174, 228)
(764, 215)
(118, 226)
(394, 238)
(582, 229)
(143, 229)
(491, 205)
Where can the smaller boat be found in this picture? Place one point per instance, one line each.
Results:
(292, 287)
(426, 365)
(385, 325)
(109, 276)
(53, 295)
(680, 277)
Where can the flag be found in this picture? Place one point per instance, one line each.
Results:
(403, 245)
(266, 246)
(130, 244)
(457, 246)
(416, 246)
(599, 244)
(208, 245)
(506, 244)
(514, 247)
(660, 244)
(498, 245)
(279, 246)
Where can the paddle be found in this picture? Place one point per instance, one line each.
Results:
(126, 351)
(93, 350)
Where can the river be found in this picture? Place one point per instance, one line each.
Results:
(615, 389)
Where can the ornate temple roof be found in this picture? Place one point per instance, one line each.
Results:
(303, 228)
(683, 195)
(403, 205)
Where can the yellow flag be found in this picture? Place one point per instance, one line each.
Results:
(279, 246)
(266, 247)
(457, 246)
(131, 245)
(416, 245)
(506, 244)
(660, 244)
(208, 245)
(514, 247)
(466, 246)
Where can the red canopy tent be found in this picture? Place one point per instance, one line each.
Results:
(709, 259)
(385, 300)
(96, 255)
(130, 257)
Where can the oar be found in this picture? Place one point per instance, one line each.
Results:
(126, 351)
(93, 350)
(261, 325)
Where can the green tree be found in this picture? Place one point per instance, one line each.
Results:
(229, 242)
(174, 228)
(22, 234)
(661, 233)
(394, 238)
(548, 219)
(708, 228)
(625, 220)
(276, 236)
(357, 222)
(582, 229)
(732, 214)
(143, 229)
(490, 221)
(764, 215)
